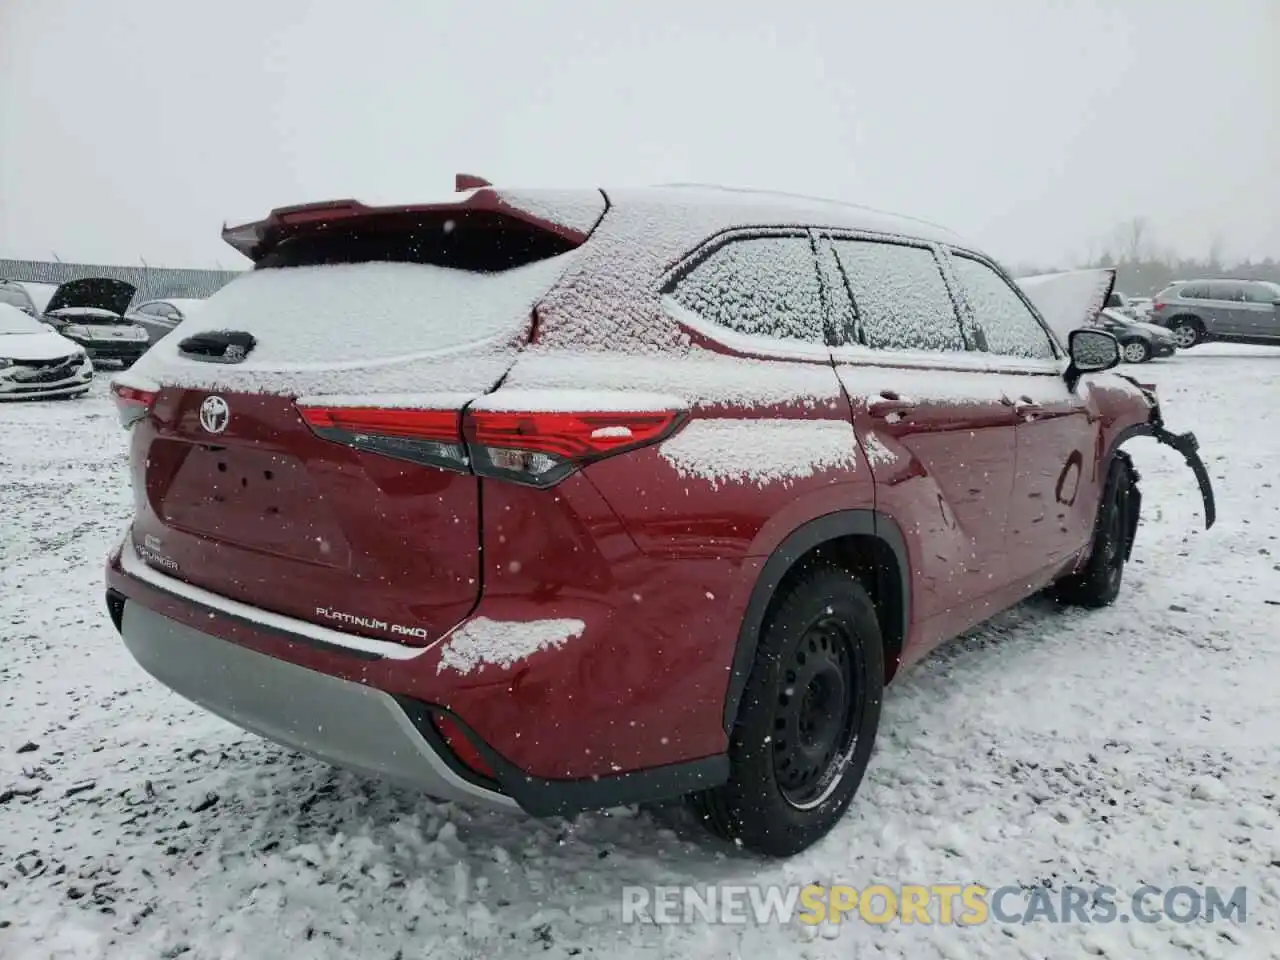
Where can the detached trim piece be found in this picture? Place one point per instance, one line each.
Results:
(1185, 443)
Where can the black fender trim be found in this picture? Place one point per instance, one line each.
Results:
(541, 797)
(804, 538)
(1184, 443)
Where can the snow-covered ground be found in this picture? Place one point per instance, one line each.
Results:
(1138, 744)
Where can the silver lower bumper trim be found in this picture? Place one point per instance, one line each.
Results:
(348, 724)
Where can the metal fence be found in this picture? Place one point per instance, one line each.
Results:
(152, 282)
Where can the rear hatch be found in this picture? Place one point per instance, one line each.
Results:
(279, 465)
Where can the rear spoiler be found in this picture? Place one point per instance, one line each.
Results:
(571, 214)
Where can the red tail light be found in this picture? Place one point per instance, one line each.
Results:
(542, 448)
(538, 448)
(420, 436)
(1157, 307)
(132, 403)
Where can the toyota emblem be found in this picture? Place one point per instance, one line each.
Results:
(214, 414)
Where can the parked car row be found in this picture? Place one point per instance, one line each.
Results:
(1139, 341)
(1198, 311)
(50, 337)
(1231, 311)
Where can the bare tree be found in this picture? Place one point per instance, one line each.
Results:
(1133, 239)
(1215, 254)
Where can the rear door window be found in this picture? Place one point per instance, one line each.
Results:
(759, 287)
(1226, 291)
(901, 299)
(1261, 293)
(1007, 323)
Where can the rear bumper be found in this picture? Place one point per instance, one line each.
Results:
(348, 724)
(371, 707)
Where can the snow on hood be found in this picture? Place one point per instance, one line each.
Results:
(24, 338)
(100, 292)
(1070, 300)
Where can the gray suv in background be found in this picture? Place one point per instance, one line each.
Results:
(1236, 311)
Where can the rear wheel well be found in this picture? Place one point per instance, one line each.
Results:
(876, 566)
(1188, 318)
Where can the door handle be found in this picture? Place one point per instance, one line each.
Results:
(1023, 406)
(889, 405)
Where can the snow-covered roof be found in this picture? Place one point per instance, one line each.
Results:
(759, 207)
(610, 298)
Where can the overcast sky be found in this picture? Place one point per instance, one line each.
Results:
(131, 129)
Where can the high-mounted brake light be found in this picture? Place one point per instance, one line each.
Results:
(534, 447)
(132, 403)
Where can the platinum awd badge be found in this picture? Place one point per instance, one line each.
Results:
(371, 623)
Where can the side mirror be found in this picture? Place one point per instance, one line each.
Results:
(1093, 350)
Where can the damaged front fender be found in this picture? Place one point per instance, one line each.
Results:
(1185, 443)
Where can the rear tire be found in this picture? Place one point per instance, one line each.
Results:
(1188, 332)
(1135, 351)
(808, 719)
(1098, 584)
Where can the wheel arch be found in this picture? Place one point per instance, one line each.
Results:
(1114, 453)
(1187, 316)
(864, 540)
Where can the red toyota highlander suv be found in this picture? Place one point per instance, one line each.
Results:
(556, 500)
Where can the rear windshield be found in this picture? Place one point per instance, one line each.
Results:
(17, 297)
(480, 241)
(354, 312)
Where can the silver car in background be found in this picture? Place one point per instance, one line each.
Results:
(1234, 311)
(159, 317)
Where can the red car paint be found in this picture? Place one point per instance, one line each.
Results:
(993, 500)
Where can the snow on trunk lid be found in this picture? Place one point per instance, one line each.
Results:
(351, 299)
(361, 328)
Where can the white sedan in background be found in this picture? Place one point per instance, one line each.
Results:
(37, 362)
